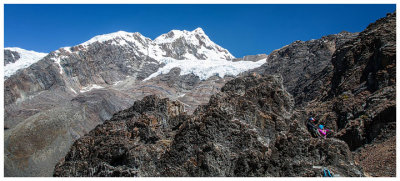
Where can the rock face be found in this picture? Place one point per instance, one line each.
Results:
(302, 64)
(142, 132)
(252, 58)
(246, 130)
(348, 85)
(364, 83)
(10, 56)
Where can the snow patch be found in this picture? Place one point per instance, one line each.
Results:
(67, 49)
(88, 88)
(106, 37)
(116, 83)
(73, 90)
(57, 60)
(204, 69)
(27, 58)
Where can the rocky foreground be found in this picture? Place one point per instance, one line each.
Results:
(248, 129)
(255, 127)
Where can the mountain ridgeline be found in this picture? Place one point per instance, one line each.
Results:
(122, 104)
(62, 95)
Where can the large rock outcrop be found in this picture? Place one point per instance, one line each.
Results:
(246, 130)
(303, 64)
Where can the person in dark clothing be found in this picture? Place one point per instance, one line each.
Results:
(312, 127)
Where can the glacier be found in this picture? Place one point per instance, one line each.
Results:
(204, 69)
(27, 58)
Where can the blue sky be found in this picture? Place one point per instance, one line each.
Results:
(242, 29)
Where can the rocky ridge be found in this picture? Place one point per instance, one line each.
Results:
(253, 127)
(344, 110)
(92, 81)
(222, 138)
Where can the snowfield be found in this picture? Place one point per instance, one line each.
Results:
(207, 68)
(217, 59)
(26, 59)
(90, 87)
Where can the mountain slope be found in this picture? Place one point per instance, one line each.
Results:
(353, 93)
(246, 130)
(18, 58)
(106, 59)
(96, 79)
(254, 127)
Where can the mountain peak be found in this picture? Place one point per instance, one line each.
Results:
(110, 36)
(187, 40)
(198, 30)
(173, 35)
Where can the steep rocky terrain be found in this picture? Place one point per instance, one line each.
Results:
(302, 64)
(253, 125)
(353, 93)
(246, 130)
(10, 56)
(64, 95)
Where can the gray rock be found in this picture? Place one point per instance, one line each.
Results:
(10, 56)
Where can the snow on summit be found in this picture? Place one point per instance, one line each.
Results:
(191, 51)
(198, 39)
(27, 58)
(119, 35)
(159, 47)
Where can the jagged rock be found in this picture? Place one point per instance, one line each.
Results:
(346, 81)
(246, 130)
(368, 62)
(361, 98)
(10, 56)
(127, 144)
(252, 58)
(303, 64)
(363, 83)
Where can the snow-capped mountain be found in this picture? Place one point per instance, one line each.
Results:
(191, 45)
(139, 56)
(132, 54)
(18, 58)
(76, 88)
(106, 59)
(177, 44)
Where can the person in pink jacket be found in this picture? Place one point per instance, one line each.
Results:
(323, 132)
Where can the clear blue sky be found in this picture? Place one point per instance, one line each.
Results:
(242, 29)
